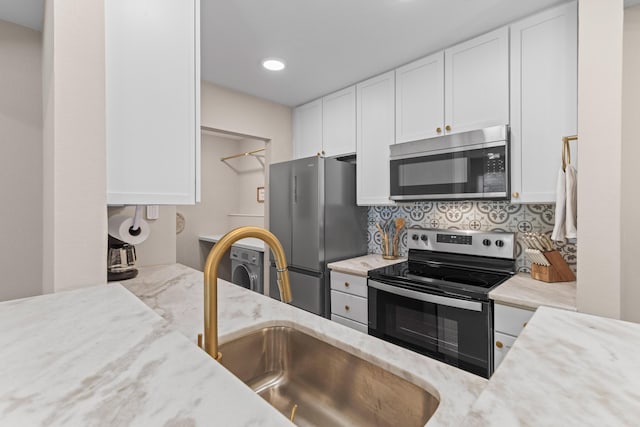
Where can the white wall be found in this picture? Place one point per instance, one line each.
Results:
(225, 193)
(232, 111)
(20, 161)
(250, 176)
(600, 140)
(74, 161)
(630, 292)
(160, 247)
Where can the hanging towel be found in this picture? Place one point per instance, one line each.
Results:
(558, 233)
(571, 220)
(566, 199)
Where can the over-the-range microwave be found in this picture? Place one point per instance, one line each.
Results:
(467, 165)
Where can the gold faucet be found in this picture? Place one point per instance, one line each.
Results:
(211, 280)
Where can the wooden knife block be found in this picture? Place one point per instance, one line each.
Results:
(558, 271)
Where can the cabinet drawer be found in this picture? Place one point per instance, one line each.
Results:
(349, 306)
(502, 343)
(350, 323)
(348, 283)
(510, 320)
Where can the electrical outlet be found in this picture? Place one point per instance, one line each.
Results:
(153, 212)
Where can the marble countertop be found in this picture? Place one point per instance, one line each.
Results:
(99, 357)
(175, 292)
(361, 265)
(248, 243)
(523, 291)
(565, 369)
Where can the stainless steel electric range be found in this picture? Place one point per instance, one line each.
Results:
(437, 303)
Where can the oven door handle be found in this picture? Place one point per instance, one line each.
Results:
(435, 299)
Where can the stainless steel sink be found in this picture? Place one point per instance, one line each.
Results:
(329, 386)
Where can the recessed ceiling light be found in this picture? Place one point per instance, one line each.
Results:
(273, 64)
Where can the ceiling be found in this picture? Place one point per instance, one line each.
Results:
(27, 13)
(327, 44)
(330, 44)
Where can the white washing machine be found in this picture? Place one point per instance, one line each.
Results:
(247, 269)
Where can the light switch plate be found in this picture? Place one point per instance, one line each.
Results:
(153, 212)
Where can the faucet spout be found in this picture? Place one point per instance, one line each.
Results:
(211, 279)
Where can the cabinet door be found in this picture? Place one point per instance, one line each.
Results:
(502, 343)
(420, 99)
(544, 74)
(375, 132)
(339, 123)
(477, 83)
(510, 320)
(152, 101)
(307, 129)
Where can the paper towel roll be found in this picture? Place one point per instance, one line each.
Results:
(119, 226)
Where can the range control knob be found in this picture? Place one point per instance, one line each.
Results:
(499, 243)
(486, 242)
(415, 237)
(423, 237)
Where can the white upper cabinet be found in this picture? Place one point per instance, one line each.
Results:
(544, 51)
(339, 123)
(375, 132)
(420, 99)
(326, 126)
(307, 129)
(152, 101)
(477, 83)
(465, 87)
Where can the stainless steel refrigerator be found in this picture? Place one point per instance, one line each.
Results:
(313, 212)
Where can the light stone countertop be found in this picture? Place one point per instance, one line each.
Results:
(247, 243)
(523, 291)
(565, 369)
(99, 357)
(361, 265)
(175, 292)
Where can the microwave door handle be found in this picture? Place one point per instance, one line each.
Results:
(435, 299)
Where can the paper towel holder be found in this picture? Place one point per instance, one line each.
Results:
(135, 228)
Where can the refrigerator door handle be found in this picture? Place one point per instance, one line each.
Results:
(295, 189)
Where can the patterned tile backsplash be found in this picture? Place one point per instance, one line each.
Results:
(468, 215)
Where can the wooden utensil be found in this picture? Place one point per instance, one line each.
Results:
(385, 241)
(399, 225)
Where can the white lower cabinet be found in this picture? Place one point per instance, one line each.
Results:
(349, 300)
(502, 343)
(508, 323)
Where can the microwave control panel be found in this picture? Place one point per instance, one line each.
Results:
(495, 162)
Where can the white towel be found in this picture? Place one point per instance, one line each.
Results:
(558, 233)
(571, 221)
(566, 205)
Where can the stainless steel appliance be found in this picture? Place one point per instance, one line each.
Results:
(468, 165)
(246, 269)
(437, 303)
(313, 212)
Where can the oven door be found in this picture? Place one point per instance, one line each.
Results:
(454, 331)
(470, 173)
